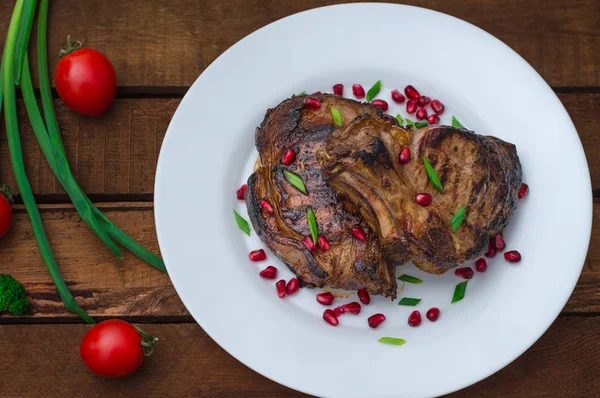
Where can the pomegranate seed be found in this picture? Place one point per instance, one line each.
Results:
(437, 107)
(292, 286)
(397, 97)
(422, 114)
(423, 100)
(499, 243)
(288, 157)
(411, 106)
(522, 192)
(311, 103)
(330, 318)
(338, 310)
(257, 255)
(266, 205)
(433, 119)
(433, 314)
(512, 256)
(414, 319)
(322, 243)
(338, 89)
(480, 265)
(491, 251)
(269, 273)
(404, 155)
(241, 191)
(308, 242)
(465, 272)
(411, 92)
(353, 308)
(375, 320)
(325, 298)
(280, 285)
(380, 103)
(364, 296)
(317, 93)
(358, 232)
(424, 199)
(358, 91)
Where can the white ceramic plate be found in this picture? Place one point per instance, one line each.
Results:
(209, 151)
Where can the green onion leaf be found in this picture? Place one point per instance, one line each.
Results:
(373, 91)
(410, 302)
(295, 180)
(458, 219)
(399, 119)
(459, 292)
(337, 117)
(409, 122)
(312, 224)
(456, 123)
(410, 279)
(242, 223)
(301, 94)
(433, 177)
(392, 341)
(421, 124)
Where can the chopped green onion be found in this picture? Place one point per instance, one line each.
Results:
(373, 91)
(312, 224)
(456, 123)
(410, 302)
(295, 180)
(242, 223)
(392, 341)
(433, 177)
(421, 124)
(399, 119)
(458, 219)
(337, 117)
(301, 94)
(410, 279)
(459, 292)
(409, 122)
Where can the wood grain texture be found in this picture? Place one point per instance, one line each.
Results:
(166, 44)
(563, 363)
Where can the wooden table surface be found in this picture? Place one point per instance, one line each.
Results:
(158, 48)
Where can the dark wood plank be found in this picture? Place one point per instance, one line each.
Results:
(166, 44)
(564, 363)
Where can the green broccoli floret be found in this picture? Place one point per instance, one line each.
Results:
(12, 296)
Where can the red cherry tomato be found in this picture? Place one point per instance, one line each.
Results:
(86, 81)
(115, 348)
(5, 215)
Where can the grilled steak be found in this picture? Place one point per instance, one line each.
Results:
(349, 263)
(483, 174)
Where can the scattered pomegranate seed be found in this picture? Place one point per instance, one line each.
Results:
(280, 285)
(317, 93)
(353, 308)
(465, 272)
(375, 320)
(339, 310)
(311, 103)
(414, 319)
(308, 242)
(397, 97)
(288, 157)
(512, 256)
(423, 100)
(364, 296)
(292, 286)
(522, 192)
(269, 273)
(491, 251)
(358, 91)
(433, 119)
(433, 314)
(240, 192)
(499, 243)
(411, 92)
(422, 114)
(266, 205)
(358, 232)
(404, 155)
(322, 243)
(258, 255)
(330, 317)
(380, 103)
(325, 298)
(437, 107)
(480, 265)
(424, 199)
(338, 89)
(411, 106)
